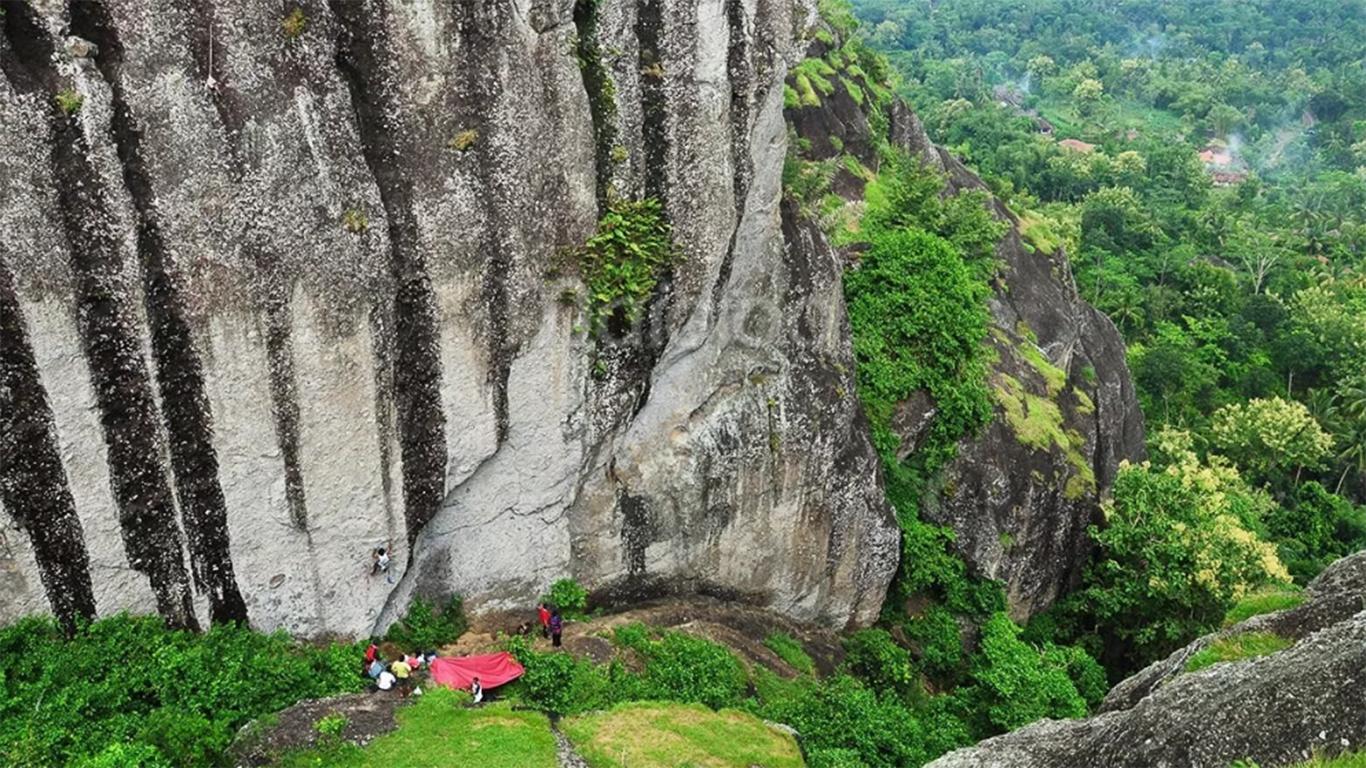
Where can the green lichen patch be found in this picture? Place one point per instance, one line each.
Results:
(806, 93)
(1249, 645)
(1037, 422)
(69, 101)
(464, 141)
(1054, 377)
(855, 92)
(355, 221)
(1085, 405)
(293, 24)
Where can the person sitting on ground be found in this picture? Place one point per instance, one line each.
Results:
(386, 680)
(403, 674)
(543, 614)
(556, 627)
(428, 657)
(375, 669)
(477, 691)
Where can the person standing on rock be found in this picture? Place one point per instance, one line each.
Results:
(556, 627)
(543, 613)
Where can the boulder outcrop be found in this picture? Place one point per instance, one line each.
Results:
(1021, 494)
(1273, 710)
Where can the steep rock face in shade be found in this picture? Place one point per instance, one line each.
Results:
(1021, 494)
(279, 287)
(1274, 710)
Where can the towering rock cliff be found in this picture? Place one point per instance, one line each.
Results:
(281, 284)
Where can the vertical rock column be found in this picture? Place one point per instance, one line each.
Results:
(179, 372)
(33, 484)
(107, 324)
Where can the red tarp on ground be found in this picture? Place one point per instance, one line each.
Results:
(493, 670)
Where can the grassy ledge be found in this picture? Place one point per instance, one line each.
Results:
(1237, 648)
(655, 735)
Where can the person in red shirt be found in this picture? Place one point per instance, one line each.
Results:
(543, 613)
(371, 653)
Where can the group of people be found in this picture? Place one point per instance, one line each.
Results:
(552, 625)
(396, 674)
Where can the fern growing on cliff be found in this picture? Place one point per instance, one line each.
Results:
(623, 262)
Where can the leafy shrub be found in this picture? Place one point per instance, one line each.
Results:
(566, 596)
(937, 635)
(790, 651)
(1236, 648)
(128, 691)
(559, 683)
(331, 726)
(841, 718)
(681, 667)
(623, 262)
(1174, 556)
(424, 627)
(873, 656)
(1014, 684)
(69, 101)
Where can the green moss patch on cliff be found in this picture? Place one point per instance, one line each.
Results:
(623, 262)
(1037, 422)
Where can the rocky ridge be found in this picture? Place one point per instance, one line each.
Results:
(1274, 710)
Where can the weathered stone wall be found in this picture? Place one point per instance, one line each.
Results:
(281, 290)
(1276, 710)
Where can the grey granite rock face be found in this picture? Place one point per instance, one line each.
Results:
(1018, 499)
(1274, 710)
(326, 313)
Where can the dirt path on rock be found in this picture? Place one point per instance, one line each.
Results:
(740, 627)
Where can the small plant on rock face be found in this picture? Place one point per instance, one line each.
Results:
(463, 141)
(293, 25)
(355, 221)
(69, 101)
(331, 726)
(620, 154)
(567, 597)
(622, 263)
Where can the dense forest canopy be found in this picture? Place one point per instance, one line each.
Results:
(1203, 166)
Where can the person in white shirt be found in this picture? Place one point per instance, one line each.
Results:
(386, 680)
(477, 690)
(380, 555)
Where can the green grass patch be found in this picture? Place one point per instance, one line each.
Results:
(1354, 760)
(1249, 645)
(1266, 600)
(645, 735)
(438, 730)
(790, 651)
(1037, 422)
